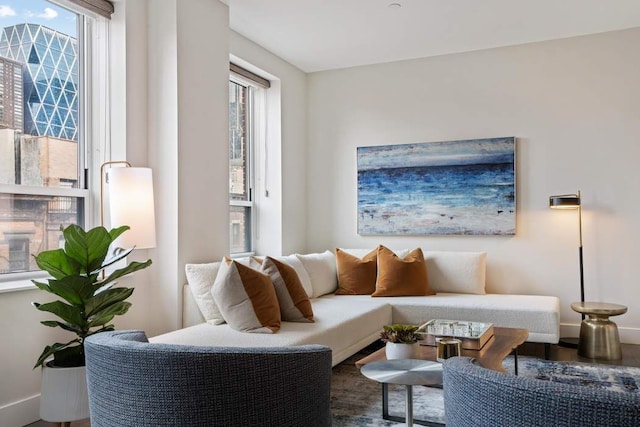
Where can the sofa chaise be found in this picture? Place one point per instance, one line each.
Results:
(348, 323)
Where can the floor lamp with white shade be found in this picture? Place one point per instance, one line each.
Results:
(572, 201)
(131, 203)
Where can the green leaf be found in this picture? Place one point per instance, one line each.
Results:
(51, 323)
(105, 299)
(105, 315)
(41, 286)
(74, 289)
(116, 232)
(66, 312)
(57, 263)
(89, 249)
(66, 326)
(132, 267)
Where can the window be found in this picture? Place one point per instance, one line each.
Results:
(247, 97)
(240, 166)
(44, 152)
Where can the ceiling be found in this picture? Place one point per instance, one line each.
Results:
(317, 35)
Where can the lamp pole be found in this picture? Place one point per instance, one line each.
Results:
(580, 251)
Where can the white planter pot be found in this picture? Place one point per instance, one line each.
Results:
(401, 351)
(64, 394)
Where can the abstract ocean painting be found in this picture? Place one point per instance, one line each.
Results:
(453, 187)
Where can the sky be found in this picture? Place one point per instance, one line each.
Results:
(40, 12)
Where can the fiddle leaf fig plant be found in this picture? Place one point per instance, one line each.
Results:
(88, 300)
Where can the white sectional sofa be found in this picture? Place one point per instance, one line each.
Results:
(348, 323)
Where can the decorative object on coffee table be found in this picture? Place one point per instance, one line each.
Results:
(473, 335)
(401, 341)
(408, 372)
(571, 201)
(448, 347)
(599, 337)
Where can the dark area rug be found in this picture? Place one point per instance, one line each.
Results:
(357, 401)
(623, 379)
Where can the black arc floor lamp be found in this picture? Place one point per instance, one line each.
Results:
(571, 201)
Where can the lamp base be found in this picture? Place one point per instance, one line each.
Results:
(569, 342)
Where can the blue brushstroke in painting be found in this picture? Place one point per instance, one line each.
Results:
(474, 194)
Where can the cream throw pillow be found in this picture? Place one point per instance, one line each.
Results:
(292, 298)
(321, 268)
(458, 272)
(246, 298)
(201, 278)
(294, 262)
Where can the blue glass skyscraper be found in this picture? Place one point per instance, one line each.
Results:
(50, 78)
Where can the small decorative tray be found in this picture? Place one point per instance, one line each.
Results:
(474, 335)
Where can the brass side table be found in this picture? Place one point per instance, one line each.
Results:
(599, 337)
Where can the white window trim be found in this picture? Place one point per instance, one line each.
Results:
(94, 124)
(251, 178)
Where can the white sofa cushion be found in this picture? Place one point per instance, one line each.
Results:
(539, 314)
(322, 271)
(459, 272)
(339, 324)
(201, 278)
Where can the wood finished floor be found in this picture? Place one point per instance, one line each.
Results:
(630, 357)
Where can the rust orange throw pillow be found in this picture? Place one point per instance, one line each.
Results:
(401, 277)
(356, 276)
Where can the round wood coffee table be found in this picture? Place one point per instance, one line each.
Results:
(598, 335)
(407, 372)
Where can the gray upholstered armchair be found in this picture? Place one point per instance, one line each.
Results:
(133, 382)
(475, 396)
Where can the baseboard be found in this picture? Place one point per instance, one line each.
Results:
(20, 412)
(627, 335)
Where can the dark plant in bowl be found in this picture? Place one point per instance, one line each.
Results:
(405, 334)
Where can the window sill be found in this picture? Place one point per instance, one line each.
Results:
(21, 282)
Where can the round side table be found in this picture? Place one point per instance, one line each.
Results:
(408, 372)
(598, 335)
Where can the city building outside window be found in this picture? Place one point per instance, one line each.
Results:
(43, 126)
(247, 133)
(241, 168)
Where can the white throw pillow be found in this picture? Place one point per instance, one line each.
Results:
(201, 278)
(322, 271)
(457, 272)
(302, 273)
(246, 298)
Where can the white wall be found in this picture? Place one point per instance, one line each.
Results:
(572, 104)
(282, 220)
(169, 85)
(188, 49)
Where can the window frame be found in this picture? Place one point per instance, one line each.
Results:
(250, 141)
(88, 145)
